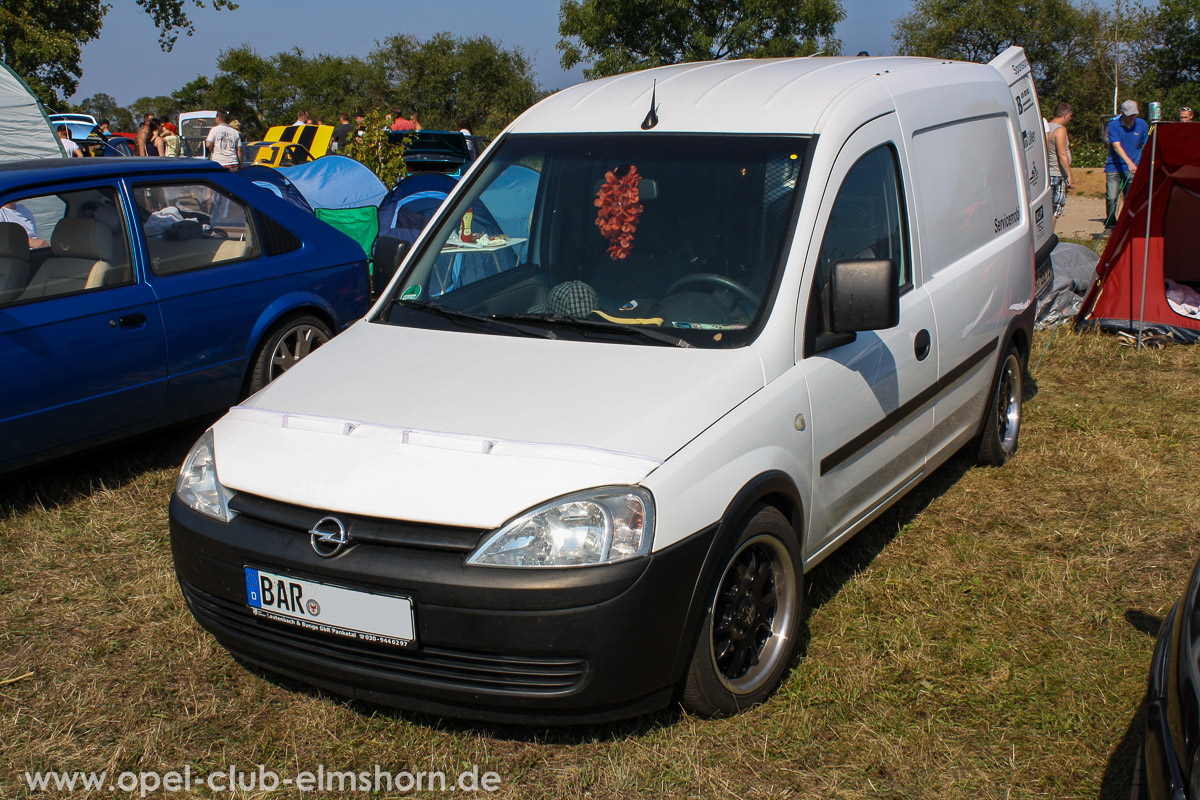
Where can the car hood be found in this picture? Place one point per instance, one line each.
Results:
(468, 429)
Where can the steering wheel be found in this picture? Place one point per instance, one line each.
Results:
(721, 281)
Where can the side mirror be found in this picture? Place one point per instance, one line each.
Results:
(864, 295)
(388, 254)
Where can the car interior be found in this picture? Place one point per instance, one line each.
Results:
(87, 246)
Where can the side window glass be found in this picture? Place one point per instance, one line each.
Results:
(866, 222)
(193, 226)
(867, 217)
(64, 243)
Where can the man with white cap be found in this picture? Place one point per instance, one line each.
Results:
(1126, 136)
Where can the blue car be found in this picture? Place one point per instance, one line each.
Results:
(137, 293)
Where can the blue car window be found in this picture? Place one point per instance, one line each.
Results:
(191, 226)
(64, 243)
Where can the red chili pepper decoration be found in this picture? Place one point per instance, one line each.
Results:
(619, 211)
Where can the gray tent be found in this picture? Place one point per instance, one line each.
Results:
(25, 131)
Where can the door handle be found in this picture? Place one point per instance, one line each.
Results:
(130, 321)
(921, 344)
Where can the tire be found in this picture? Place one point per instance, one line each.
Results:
(1001, 426)
(748, 635)
(286, 344)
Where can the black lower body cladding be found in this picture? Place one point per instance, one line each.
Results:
(586, 644)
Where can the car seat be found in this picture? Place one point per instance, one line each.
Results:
(81, 258)
(14, 260)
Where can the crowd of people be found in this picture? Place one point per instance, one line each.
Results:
(1125, 135)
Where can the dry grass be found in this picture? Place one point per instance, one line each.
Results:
(988, 638)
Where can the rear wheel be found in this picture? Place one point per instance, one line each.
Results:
(1002, 418)
(748, 636)
(285, 346)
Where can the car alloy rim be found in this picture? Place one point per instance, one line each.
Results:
(294, 345)
(1008, 405)
(752, 614)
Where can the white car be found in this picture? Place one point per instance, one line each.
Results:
(677, 336)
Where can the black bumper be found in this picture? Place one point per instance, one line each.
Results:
(509, 645)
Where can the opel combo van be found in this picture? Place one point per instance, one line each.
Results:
(676, 337)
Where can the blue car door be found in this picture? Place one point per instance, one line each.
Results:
(82, 347)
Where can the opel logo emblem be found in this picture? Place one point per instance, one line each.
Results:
(328, 537)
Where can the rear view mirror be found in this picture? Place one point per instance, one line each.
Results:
(864, 295)
(387, 257)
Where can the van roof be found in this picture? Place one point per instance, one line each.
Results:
(781, 95)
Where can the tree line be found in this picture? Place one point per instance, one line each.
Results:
(443, 78)
(1091, 56)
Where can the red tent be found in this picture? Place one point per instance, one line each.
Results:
(1131, 277)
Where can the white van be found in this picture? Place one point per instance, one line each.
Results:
(677, 336)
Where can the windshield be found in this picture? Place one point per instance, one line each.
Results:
(668, 233)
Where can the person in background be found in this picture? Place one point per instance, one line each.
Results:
(318, 120)
(1058, 151)
(223, 142)
(169, 140)
(152, 142)
(1126, 137)
(1186, 114)
(301, 117)
(143, 134)
(464, 127)
(103, 130)
(401, 122)
(343, 133)
(70, 147)
(360, 124)
(15, 212)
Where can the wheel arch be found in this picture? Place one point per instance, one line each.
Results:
(279, 312)
(774, 488)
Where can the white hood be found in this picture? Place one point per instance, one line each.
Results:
(471, 429)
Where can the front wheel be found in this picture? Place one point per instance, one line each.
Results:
(284, 347)
(1002, 417)
(748, 636)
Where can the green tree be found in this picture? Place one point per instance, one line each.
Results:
(162, 107)
(614, 36)
(1079, 52)
(1172, 50)
(104, 106)
(264, 91)
(447, 77)
(42, 41)
(375, 151)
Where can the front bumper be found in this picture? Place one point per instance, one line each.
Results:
(509, 645)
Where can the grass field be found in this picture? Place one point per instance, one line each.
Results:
(988, 638)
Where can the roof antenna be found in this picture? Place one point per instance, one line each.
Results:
(652, 118)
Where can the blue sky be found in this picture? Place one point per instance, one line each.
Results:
(125, 61)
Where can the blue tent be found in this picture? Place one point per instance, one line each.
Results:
(336, 182)
(341, 192)
(407, 209)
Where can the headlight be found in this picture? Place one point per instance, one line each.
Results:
(598, 526)
(198, 487)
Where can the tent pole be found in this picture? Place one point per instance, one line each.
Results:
(1146, 249)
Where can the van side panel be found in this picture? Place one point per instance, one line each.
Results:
(973, 233)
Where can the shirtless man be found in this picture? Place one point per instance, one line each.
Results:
(143, 135)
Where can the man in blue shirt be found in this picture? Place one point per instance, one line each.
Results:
(1126, 137)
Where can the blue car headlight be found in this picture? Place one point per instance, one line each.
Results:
(598, 526)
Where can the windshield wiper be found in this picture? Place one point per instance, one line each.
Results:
(456, 315)
(597, 325)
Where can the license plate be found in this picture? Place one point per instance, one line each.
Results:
(365, 616)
